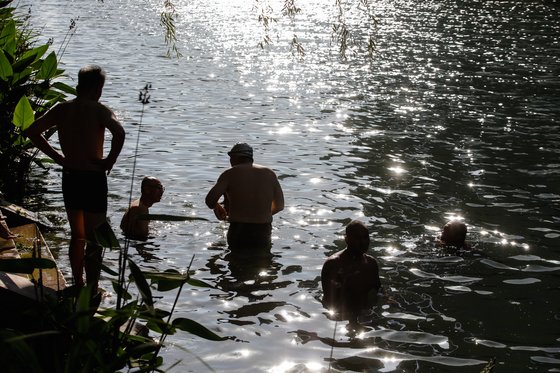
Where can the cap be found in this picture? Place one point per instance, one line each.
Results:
(241, 149)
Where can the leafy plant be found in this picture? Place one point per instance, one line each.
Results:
(27, 89)
(70, 333)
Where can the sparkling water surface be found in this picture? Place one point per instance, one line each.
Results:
(456, 115)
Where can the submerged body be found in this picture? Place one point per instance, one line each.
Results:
(135, 222)
(252, 195)
(350, 277)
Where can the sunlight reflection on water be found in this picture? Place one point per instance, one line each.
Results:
(456, 117)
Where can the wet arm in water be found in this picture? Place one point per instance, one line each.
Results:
(278, 200)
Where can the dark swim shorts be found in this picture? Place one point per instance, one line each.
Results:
(249, 235)
(85, 190)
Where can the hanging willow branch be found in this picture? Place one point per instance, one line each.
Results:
(167, 20)
(343, 34)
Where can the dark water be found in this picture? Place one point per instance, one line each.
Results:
(455, 116)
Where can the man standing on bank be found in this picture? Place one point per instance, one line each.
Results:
(252, 194)
(81, 125)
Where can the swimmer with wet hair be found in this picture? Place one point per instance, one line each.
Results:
(350, 277)
(454, 234)
(134, 222)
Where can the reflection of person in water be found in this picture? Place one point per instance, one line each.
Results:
(454, 234)
(350, 277)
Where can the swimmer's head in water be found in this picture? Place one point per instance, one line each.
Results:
(454, 233)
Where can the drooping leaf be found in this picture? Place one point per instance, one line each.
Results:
(108, 270)
(195, 328)
(168, 280)
(165, 217)
(48, 68)
(6, 70)
(23, 114)
(8, 36)
(141, 283)
(142, 349)
(120, 290)
(82, 309)
(34, 53)
(23, 63)
(106, 237)
(25, 265)
(160, 326)
(21, 77)
(64, 88)
(198, 283)
(172, 279)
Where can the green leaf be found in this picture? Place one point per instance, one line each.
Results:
(8, 35)
(23, 114)
(120, 290)
(108, 270)
(195, 328)
(21, 77)
(6, 70)
(36, 53)
(172, 279)
(48, 68)
(82, 309)
(64, 88)
(164, 217)
(23, 63)
(168, 280)
(141, 283)
(198, 283)
(25, 265)
(106, 237)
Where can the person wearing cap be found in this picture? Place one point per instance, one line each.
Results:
(350, 277)
(134, 222)
(252, 195)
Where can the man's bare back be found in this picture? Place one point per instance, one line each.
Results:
(81, 125)
(252, 191)
(252, 195)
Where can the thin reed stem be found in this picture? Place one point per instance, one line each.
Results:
(144, 98)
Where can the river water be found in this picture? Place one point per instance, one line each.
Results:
(456, 115)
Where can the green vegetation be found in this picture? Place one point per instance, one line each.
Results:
(27, 89)
(68, 331)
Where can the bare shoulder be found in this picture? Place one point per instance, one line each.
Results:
(370, 260)
(264, 169)
(103, 111)
(334, 257)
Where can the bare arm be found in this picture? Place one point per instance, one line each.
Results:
(35, 134)
(375, 274)
(132, 223)
(328, 284)
(278, 198)
(117, 141)
(213, 196)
